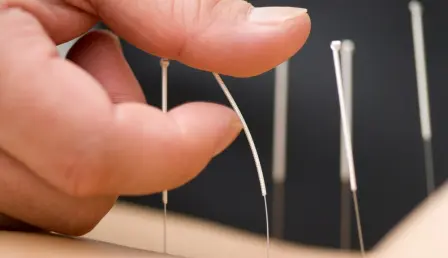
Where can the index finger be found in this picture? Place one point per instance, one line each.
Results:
(230, 37)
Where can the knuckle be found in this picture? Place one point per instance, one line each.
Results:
(19, 16)
(19, 31)
(20, 24)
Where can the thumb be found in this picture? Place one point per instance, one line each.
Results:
(227, 36)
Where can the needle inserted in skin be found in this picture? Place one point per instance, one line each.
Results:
(279, 149)
(254, 152)
(347, 50)
(336, 47)
(164, 63)
(416, 10)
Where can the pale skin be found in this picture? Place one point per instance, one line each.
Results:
(136, 232)
(422, 234)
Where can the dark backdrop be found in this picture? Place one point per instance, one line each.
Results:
(387, 143)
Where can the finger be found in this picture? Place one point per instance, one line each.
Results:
(71, 135)
(62, 21)
(25, 197)
(164, 152)
(226, 36)
(99, 53)
(63, 111)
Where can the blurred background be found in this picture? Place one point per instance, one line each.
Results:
(388, 148)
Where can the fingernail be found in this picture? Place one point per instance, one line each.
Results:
(275, 15)
(115, 38)
(233, 131)
(117, 41)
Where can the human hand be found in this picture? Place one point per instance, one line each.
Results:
(75, 134)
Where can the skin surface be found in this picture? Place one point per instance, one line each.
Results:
(127, 231)
(423, 233)
(78, 133)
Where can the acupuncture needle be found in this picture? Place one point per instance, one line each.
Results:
(253, 149)
(347, 50)
(279, 148)
(416, 10)
(336, 47)
(164, 63)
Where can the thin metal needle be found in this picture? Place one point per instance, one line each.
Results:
(279, 149)
(254, 153)
(164, 63)
(416, 10)
(336, 47)
(347, 50)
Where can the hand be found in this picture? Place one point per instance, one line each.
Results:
(75, 134)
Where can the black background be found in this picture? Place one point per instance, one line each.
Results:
(387, 142)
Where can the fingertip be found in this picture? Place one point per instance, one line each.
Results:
(233, 131)
(208, 129)
(279, 43)
(214, 121)
(151, 151)
(249, 49)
